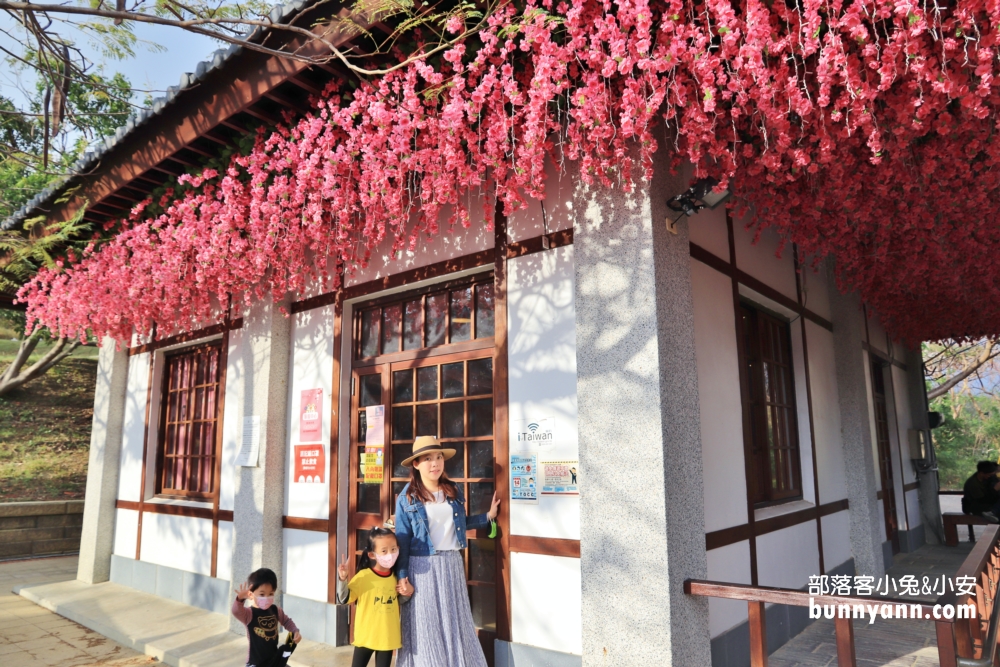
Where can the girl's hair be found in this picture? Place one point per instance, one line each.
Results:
(418, 491)
(375, 533)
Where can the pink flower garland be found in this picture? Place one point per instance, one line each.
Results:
(865, 131)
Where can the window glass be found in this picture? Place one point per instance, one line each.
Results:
(769, 407)
(369, 332)
(392, 322)
(437, 313)
(484, 310)
(412, 325)
(461, 315)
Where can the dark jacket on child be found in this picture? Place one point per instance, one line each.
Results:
(262, 631)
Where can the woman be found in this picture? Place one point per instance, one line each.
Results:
(431, 526)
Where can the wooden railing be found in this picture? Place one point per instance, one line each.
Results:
(973, 642)
(960, 641)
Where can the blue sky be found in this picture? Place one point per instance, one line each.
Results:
(150, 70)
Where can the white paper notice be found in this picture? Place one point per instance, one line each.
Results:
(375, 423)
(250, 449)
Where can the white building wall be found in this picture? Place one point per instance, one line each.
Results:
(232, 426)
(546, 597)
(224, 560)
(305, 564)
(450, 241)
(719, 396)
(541, 365)
(311, 368)
(126, 533)
(179, 542)
(553, 214)
(836, 539)
(787, 557)
(708, 229)
(134, 429)
(730, 563)
(826, 415)
(545, 590)
(760, 261)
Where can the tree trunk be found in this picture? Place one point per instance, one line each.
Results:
(16, 376)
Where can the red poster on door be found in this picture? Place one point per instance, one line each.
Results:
(311, 416)
(310, 464)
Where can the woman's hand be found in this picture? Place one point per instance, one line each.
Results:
(404, 587)
(297, 637)
(495, 508)
(243, 592)
(342, 568)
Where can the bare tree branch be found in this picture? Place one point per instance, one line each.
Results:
(988, 353)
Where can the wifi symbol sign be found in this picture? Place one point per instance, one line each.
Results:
(532, 427)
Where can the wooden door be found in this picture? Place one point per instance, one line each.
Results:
(428, 357)
(884, 450)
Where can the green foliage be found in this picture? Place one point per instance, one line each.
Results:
(970, 433)
(25, 252)
(96, 107)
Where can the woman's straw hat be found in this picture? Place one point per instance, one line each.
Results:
(426, 444)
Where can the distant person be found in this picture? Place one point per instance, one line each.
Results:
(981, 493)
(262, 618)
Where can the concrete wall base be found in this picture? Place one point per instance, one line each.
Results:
(912, 539)
(190, 588)
(732, 647)
(509, 654)
(887, 553)
(320, 621)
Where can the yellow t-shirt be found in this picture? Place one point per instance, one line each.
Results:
(376, 624)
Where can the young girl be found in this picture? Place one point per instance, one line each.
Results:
(378, 594)
(262, 618)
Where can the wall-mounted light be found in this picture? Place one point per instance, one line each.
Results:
(702, 194)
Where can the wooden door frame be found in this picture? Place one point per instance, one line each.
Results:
(496, 349)
(884, 450)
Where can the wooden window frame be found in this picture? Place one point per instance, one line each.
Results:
(475, 281)
(758, 405)
(213, 493)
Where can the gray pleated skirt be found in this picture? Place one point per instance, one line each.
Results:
(437, 622)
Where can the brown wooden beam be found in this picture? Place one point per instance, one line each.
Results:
(285, 101)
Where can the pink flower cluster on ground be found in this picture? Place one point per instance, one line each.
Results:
(861, 130)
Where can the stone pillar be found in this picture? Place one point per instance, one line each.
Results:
(930, 505)
(260, 491)
(855, 431)
(642, 526)
(97, 539)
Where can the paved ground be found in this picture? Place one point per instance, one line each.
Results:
(31, 636)
(176, 634)
(885, 643)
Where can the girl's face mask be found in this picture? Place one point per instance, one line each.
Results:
(264, 602)
(386, 561)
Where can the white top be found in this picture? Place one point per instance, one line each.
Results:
(441, 520)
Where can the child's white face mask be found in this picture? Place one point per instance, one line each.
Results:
(386, 561)
(264, 602)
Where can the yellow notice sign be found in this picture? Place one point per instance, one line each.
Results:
(374, 465)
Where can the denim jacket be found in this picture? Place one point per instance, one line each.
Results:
(412, 532)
